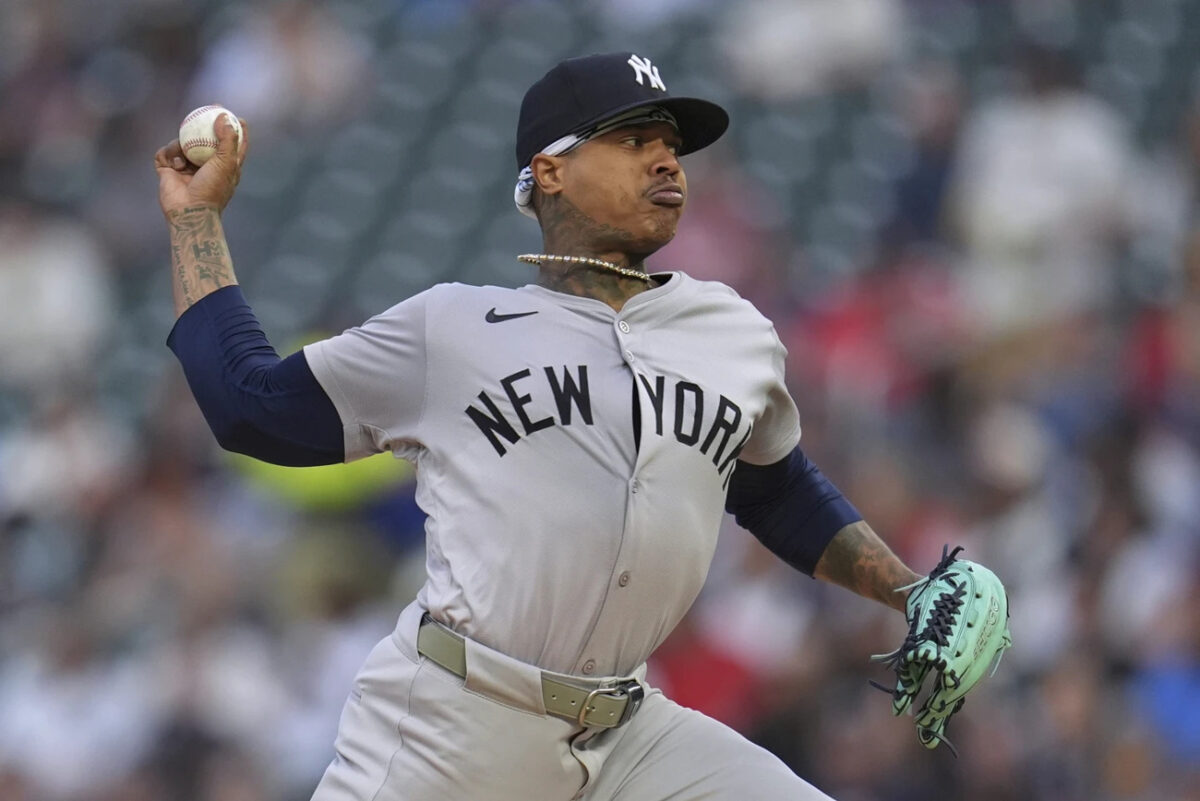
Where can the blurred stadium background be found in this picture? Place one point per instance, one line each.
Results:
(974, 223)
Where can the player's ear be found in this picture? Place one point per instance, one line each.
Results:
(548, 173)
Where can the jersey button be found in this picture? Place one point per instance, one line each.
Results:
(624, 579)
(589, 666)
(624, 326)
(629, 355)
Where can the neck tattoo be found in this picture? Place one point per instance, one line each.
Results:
(540, 258)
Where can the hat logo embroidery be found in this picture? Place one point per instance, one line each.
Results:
(642, 66)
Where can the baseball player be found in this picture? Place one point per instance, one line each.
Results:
(576, 441)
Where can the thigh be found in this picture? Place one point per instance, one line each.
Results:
(369, 731)
(671, 753)
(410, 732)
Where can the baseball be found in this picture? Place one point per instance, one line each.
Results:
(197, 132)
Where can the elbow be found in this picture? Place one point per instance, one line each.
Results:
(231, 423)
(238, 431)
(234, 435)
(248, 438)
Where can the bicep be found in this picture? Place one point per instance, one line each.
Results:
(285, 417)
(255, 403)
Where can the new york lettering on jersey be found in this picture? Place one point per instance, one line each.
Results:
(677, 408)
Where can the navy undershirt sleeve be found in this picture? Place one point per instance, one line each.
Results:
(255, 403)
(791, 507)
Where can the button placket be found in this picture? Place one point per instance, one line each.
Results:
(625, 328)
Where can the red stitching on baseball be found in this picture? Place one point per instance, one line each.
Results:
(197, 112)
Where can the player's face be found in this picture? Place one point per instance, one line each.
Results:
(630, 180)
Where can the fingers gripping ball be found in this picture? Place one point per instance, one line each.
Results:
(198, 134)
(957, 628)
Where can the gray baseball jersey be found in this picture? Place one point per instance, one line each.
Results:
(572, 460)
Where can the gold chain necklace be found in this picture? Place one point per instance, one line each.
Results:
(538, 258)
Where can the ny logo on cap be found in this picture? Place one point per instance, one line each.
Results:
(642, 66)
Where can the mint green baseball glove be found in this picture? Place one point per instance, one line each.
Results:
(957, 628)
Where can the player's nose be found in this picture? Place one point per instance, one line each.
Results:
(665, 162)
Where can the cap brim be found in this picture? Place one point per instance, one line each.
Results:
(701, 122)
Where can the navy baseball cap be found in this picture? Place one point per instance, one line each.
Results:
(580, 92)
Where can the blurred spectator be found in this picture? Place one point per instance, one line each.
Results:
(333, 588)
(288, 62)
(72, 717)
(1038, 186)
(47, 135)
(56, 301)
(632, 15)
(930, 100)
(871, 347)
(1073, 705)
(66, 464)
(782, 49)
(1163, 357)
(135, 84)
(1167, 678)
(1018, 528)
(1150, 569)
(1164, 210)
(756, 613)
(60, 475)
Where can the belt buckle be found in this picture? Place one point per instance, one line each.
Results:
(630, 690)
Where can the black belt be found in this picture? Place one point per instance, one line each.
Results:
(606, 705)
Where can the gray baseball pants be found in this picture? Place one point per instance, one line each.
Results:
(413, 731)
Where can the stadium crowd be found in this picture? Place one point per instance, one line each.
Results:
(990, 297)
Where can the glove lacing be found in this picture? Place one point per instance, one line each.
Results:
(938, 627)
(937, 630)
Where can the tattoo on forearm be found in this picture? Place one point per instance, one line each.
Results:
(200, 259)
(859, 560)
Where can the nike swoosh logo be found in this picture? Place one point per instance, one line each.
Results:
(492, 317)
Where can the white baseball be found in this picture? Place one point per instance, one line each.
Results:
(198, 135)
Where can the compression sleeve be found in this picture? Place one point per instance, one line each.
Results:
(254, 402)
(791, 507)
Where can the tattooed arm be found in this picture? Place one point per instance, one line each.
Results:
(192, 199)
(857, 559)
(200, 261)
(794, 510)
(255, 403)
